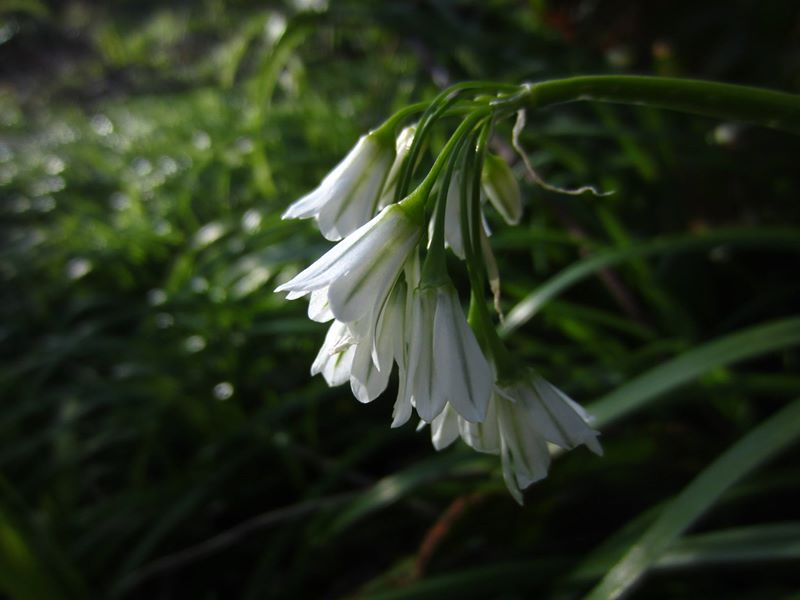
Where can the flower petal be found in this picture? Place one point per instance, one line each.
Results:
(462, 373)
(556, 418)
(318, 309)
(401, 412)
(370, 269)
(524, 451)
(366, 381)
(354, 199)
(389, 327)
(335, 358)
(347, 197)
(309, 205)
(444, 428)
(421, 373)
(483, 436)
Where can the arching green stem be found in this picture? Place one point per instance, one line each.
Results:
(416, 202)
(778, 110)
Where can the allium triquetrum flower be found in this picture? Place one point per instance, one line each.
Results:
(355, 189)
(445, 362)
(359, 271)
(363, 352)
(521, 419)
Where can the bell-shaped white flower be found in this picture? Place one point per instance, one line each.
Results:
(524, 454)
(348, 196)
(359, 271)
(445, 364)
(557, 418)
(502, 189)
(521, 420)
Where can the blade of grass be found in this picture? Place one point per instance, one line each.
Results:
(769, 542)
(737, 346)
(777, 541)
(758, 446)
(530, 305)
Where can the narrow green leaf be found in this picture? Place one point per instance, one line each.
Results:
(770, 542)
(758, 446)
(530, 305)
(755, 543)
(775, 541)
(747, 343)
(22, 575)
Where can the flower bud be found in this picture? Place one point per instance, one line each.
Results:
(502, 189)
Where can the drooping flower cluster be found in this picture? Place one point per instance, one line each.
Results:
(387, 305)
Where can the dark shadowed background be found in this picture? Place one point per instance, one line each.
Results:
(160, 436)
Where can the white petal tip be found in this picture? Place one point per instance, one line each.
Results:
(593, 444)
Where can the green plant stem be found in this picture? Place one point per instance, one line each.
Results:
(778, 110)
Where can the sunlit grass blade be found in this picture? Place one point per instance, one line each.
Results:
(530, 305)
(757, 543)
(743, 344)
(762, 443)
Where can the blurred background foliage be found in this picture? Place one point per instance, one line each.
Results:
(161, 437)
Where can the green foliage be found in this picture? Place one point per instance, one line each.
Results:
(161, 434)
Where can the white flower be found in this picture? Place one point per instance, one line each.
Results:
(348, 196)
(520, 421)
(445, 362)
(358, 272)
(558, 418)
(357, 187)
